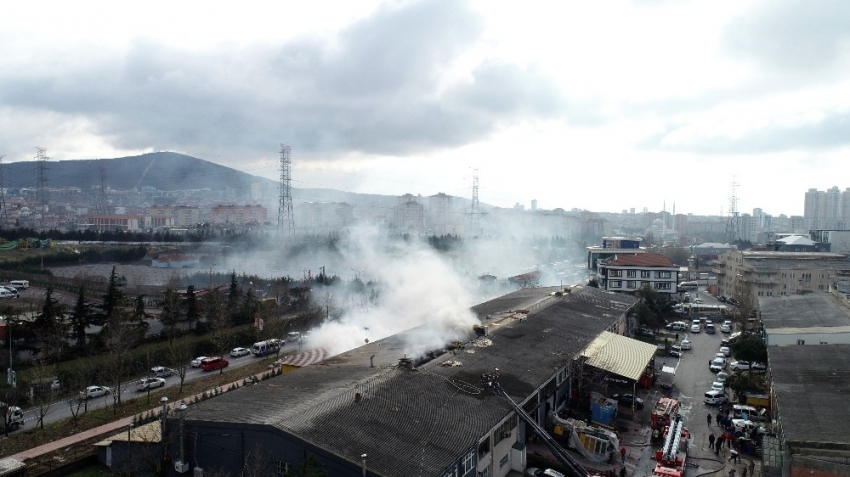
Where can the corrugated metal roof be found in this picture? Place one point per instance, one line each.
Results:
(618, 354)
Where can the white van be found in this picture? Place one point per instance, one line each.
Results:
(715, 398)
(5, 293)
(20, 284)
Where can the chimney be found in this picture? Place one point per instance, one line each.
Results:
(405, 362)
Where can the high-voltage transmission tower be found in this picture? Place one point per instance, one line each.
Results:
(101, 200)
(732, 232)
(285, 222)
(475, 209)
(41, 179)
(3, 212)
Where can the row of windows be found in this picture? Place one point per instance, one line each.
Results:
(465, 465)
(643, 274)
(635, 285)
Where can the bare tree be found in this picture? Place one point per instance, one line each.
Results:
(219, 321)
(120, 338)
(180, 356)
(43, 392)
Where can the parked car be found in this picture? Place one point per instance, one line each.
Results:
(745, 366)
(644, 331)
(161, 372)
(196, 363)
(628, 399)
(55, 385)
(94, 391)
(677, 326)
(709, 328)
(715, 398)
(535, 472)
(716, 365)
(149, 383)
(726, 327)
(746, 427)
(675, 350)
(717, 386)
(12, 290)
(237, 352)
(726, 351)
(695, 328)
(721, 377)
(685, 344)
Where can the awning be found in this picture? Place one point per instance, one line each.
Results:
(618, 354)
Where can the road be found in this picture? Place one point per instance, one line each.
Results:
(62, 409)
(693, 378)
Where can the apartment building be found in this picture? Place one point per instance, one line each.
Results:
(629, 273)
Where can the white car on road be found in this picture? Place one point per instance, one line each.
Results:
(149, 383)
(95, 391)
(196, 363)
(237, 352)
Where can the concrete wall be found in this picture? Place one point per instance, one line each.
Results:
(804, 466)
(785, 339)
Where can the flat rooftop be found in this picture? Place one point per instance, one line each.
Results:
(812, 310)
(812, 383)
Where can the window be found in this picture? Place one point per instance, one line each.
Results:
(281, 468)
(468, 461)
(451, 473)
(615, 284)
(644, 273)
(662, 285)
(631, 273)
(503, 461)
(631, 285)
(663, 274)
(483, 449)
(504, 431)
(615, 273)
(801, 342)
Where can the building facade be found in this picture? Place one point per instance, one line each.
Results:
(240, 214)
(749, 275)
(630, 273)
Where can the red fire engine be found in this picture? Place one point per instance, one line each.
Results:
(670, 459)
(662, 415)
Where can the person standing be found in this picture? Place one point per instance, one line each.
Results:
(623, 471)
(623, 454)
(708, 419)
(711, 441)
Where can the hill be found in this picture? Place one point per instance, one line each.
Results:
(162, 170)
(174, 171)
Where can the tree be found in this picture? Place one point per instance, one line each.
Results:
(249, 307)
(193, 314)
(139, 313)
(80, 319)
(113, 298)
(50, 325)
(312, 467)
(749, 349)
(219, 321)
(654, 307)
(233, 297)
(170, 313)
(593, 283)
(180, 355)
(119, 337)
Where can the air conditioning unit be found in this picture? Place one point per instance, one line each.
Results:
(199, 472)
(181, 467)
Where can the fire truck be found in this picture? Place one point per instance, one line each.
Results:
(662, 415)
(670, 459)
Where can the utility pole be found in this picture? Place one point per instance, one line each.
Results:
(3, 212)
(41, 187)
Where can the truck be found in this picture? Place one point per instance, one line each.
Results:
(671, 459)
(263, 348)
(662, 415)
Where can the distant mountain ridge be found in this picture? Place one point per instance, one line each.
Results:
(171, 171)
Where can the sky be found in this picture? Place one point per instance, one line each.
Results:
(603, 105)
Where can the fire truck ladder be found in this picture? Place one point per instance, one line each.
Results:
(671, 440)
(491, 380)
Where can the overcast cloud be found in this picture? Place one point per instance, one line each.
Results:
(409, 96)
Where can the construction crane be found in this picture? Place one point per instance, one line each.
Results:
(491, 380)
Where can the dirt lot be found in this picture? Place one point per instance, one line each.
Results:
(136, 274)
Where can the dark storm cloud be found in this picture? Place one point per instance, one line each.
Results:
(833, 131)
(801, 38)
(373, 88)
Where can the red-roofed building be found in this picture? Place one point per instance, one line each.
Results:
(629, 273)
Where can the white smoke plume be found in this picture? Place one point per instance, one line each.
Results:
(419, 287)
